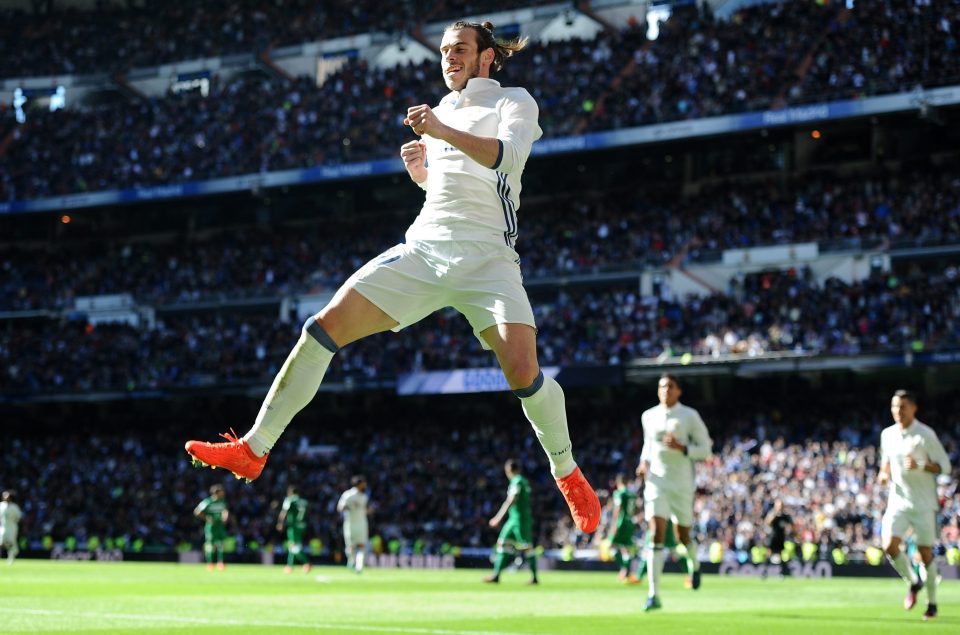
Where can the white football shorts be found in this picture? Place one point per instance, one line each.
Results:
(480, 280)
(678, 507)
(353, 536)
(923, 521)
(8, 536)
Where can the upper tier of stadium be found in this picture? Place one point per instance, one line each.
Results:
(270, 112)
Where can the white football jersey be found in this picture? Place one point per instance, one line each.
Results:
(10, 514)
(671, 470)
(913, 489)
(466, 200)
(353, 502)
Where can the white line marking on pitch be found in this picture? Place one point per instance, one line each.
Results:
(227, 622)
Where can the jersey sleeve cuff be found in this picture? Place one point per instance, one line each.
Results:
(496, 164)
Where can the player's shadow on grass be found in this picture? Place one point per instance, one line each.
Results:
(860, 620)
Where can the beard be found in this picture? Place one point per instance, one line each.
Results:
(470, 70)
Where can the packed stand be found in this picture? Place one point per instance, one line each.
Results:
(72, 41)
(586, 232)
(701, 66)
(435, 479)
(698, 67)
(884, 46)
(761, 313)
(251, 124)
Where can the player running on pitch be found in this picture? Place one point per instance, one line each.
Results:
(213, 510)
(517, 533)
(674, 436)
(912, 456)
(459, 252)
(10, 515)
(621, 540)
(354, 505)
(293, 516)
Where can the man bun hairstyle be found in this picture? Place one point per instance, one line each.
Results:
(502, 49)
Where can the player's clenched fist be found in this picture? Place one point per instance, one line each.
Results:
(422, 120)
(414, 155)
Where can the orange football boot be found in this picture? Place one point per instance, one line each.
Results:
(582, 501)
(235, 455)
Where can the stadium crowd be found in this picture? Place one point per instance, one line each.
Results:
(883, 46)
(559, 235)
(914, 311)
(124, 34)
(438, 478)
(698, 67)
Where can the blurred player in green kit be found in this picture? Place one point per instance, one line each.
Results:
(213, 510)
(517, 533)
(623, 530)
(293, 514)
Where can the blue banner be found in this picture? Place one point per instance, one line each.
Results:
(471, 380)
(592, 141)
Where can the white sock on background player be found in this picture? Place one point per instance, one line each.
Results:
(545, 408)
(294, 386)
(928, 573)
(903, 567)
(693, 563)
(655, 558)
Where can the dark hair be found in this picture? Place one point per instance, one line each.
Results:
(216, 488)
(513, 465)
(669, 377)
(620, 477)
(292, 490)
(909, 395)
(356, 480)
(502, 49)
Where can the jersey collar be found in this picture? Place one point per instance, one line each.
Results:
(474, 85)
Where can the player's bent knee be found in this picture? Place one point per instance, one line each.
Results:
(521, 375)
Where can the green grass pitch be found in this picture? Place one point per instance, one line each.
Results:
(153, 599)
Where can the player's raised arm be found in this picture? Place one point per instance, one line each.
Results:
(484, 150)
(516, 134)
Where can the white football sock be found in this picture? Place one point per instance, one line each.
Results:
(545, 408)
(293, 387)
(928, 573)
(903, 567)
(693, 563)
(361, 554)
(655, 558)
